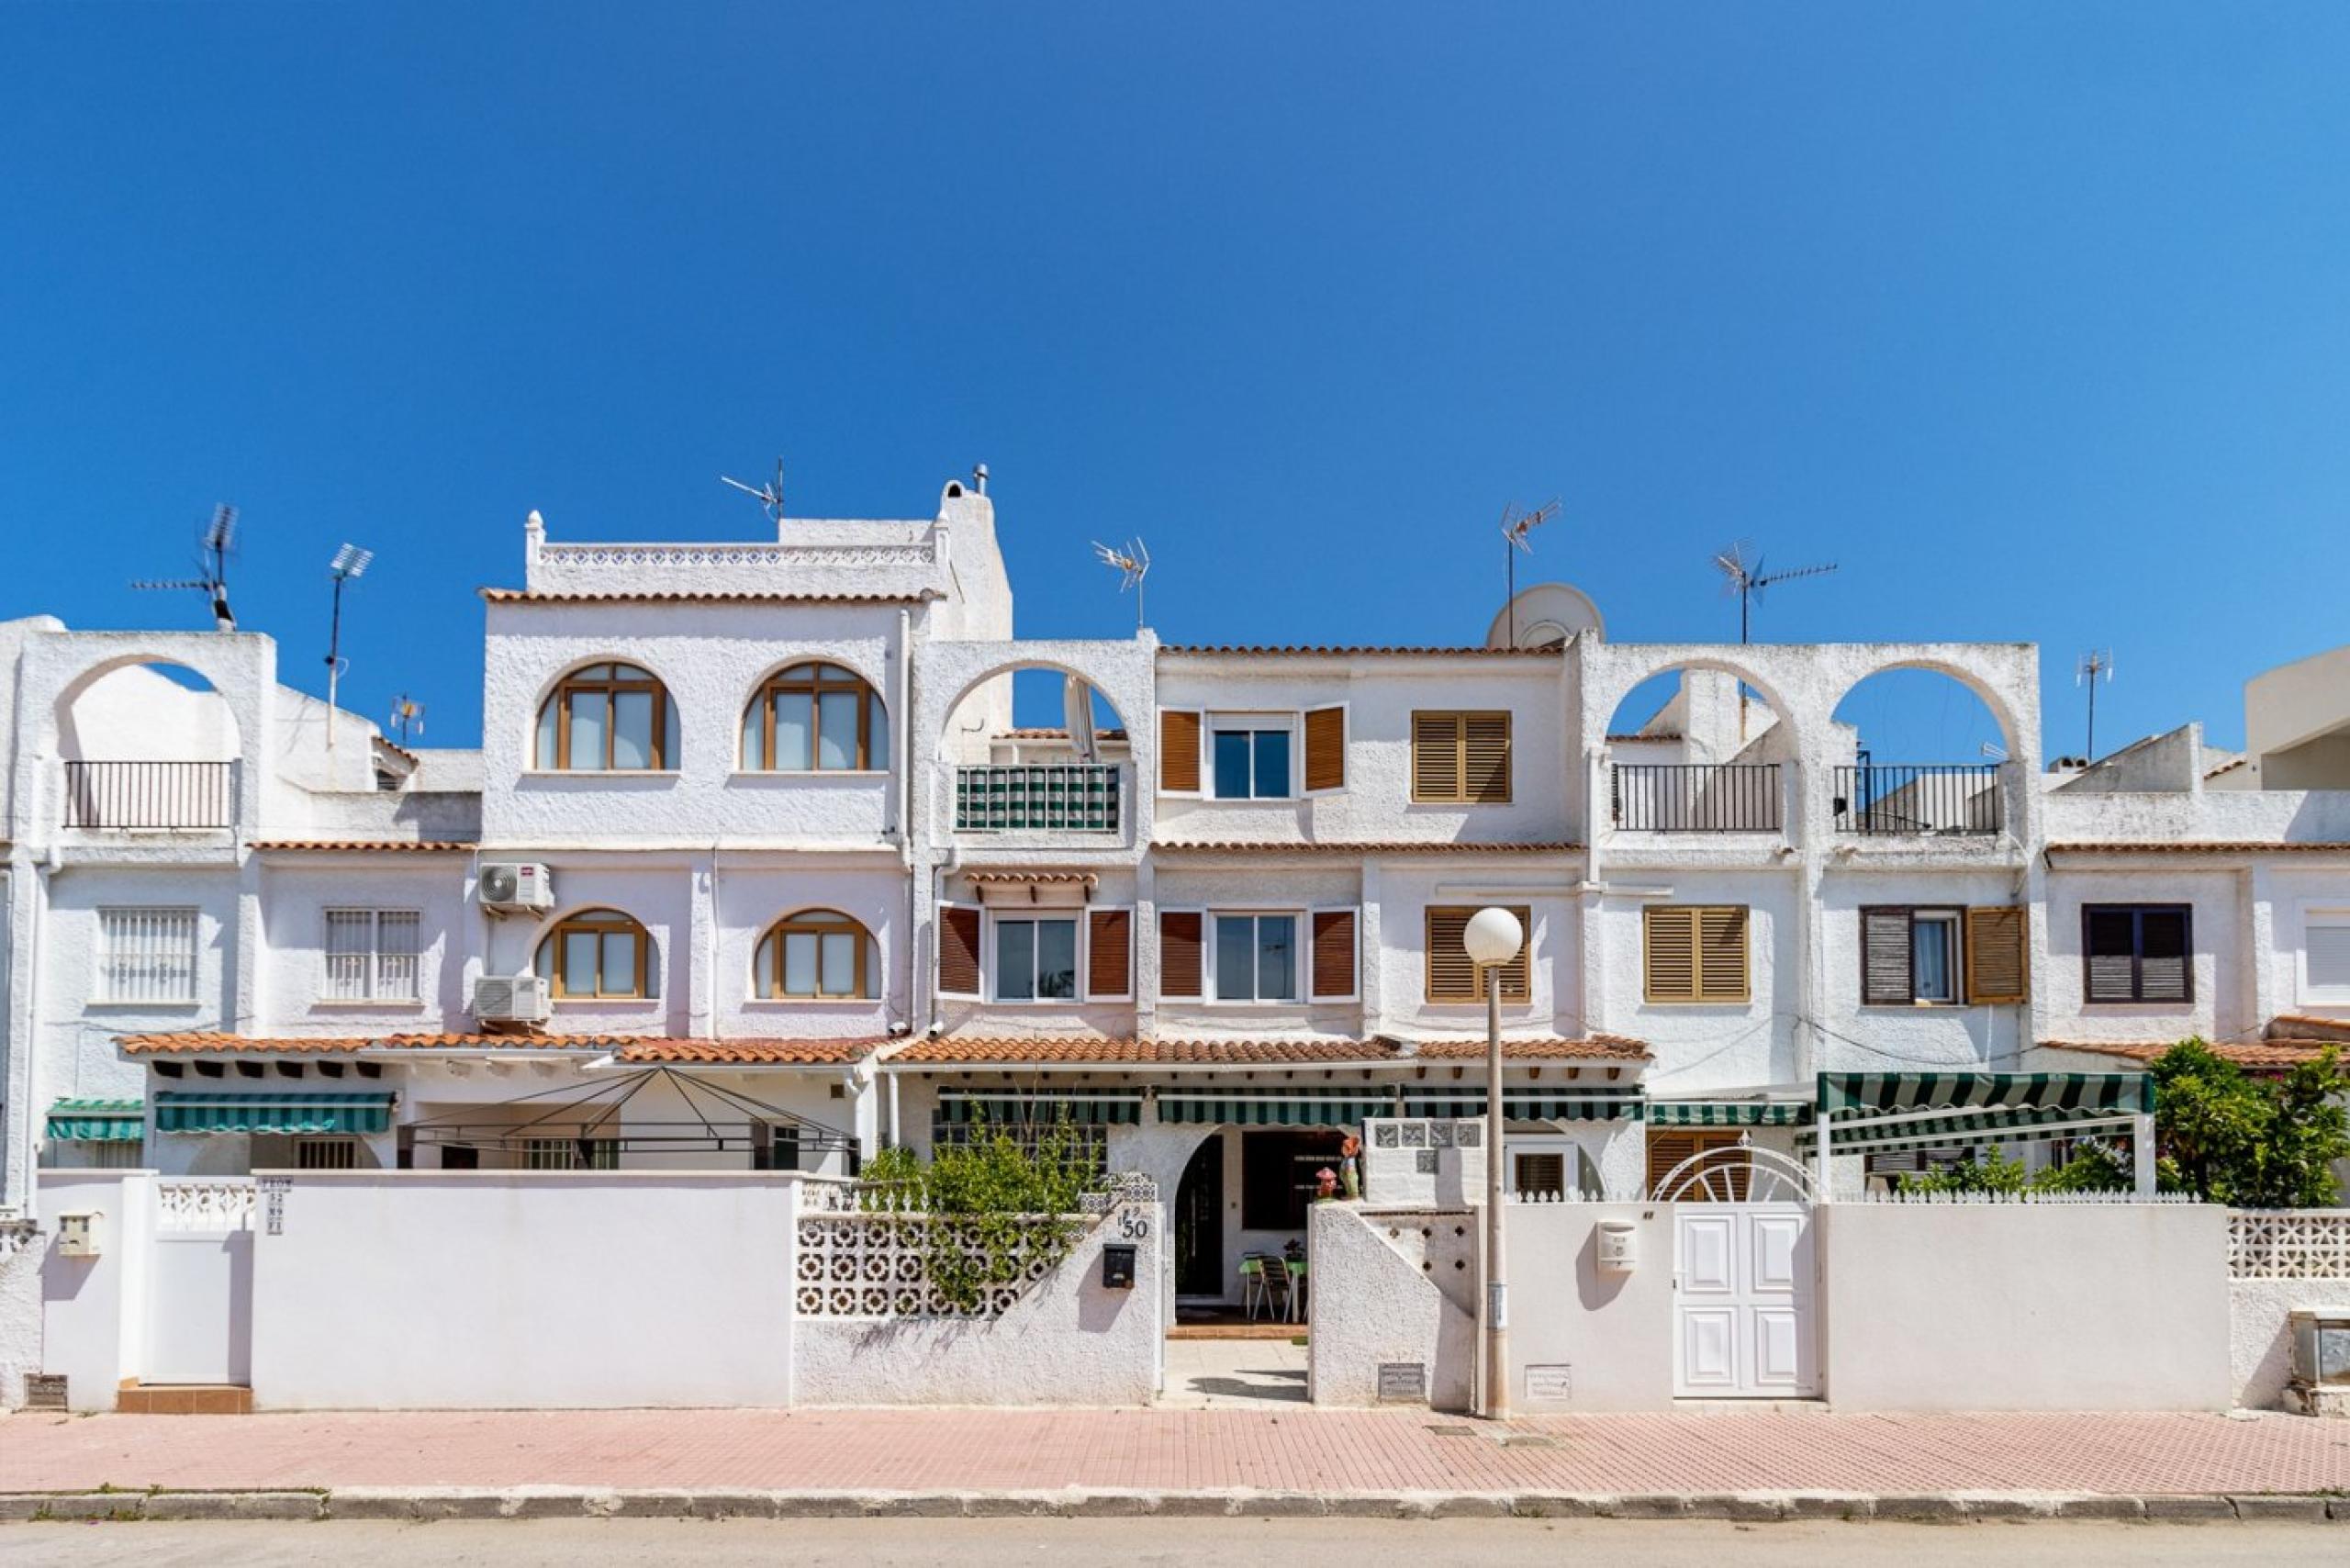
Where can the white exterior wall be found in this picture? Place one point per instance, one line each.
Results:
(1706, 1046)
(2221, 920)
(295, 897)
(516, 1274)
(93, 1310)
(75, 1053)
(1613, 1332)
(1859, 1038)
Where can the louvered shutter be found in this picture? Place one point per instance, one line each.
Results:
(1451, 977)
(1179, 953)
(1669, 954)
(2162, 950)
(958, 951)
(1178, 751)
(1721, 954)
(1436, 757)
(1996, 968)
(1334, 953)
(2110, 943)
(1326, 749)
(1885, 978)
(1665, 1151)
(1109, 953)
(1485, 758)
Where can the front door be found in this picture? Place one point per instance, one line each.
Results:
(1743, 1283)
(1199, 1222)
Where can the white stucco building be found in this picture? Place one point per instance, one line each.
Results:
(793, 888)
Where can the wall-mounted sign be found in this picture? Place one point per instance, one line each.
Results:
(1402, 1382)
(1549, 1385)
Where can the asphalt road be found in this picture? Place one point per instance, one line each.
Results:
(1175, 1543)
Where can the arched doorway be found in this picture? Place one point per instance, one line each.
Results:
(1199, 1222)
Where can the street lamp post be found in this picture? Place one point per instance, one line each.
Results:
(1494, 938)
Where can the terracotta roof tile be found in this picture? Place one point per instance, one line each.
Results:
(1353, 650)
(1383, 846)
(1591, 1047)
(205, 1042)
(628, 1047)
(1045, 733)
(394, 746)
(2308, 1026)
(656, 596)
(769, 1053)
(971, 875)
(955, 1049)
(2205, 846)
(2244, 1053)
(2229, 767)
(388, 847)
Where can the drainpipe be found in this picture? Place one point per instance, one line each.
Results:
(902, 683)
(36, 945)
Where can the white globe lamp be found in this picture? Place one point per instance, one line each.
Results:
(1493, 937)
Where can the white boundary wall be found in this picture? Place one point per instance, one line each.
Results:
(422, 1290)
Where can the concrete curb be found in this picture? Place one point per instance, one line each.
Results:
(421, 1504)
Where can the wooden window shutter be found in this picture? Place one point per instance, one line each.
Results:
(1326, 749)
(1179, 953)
(958, 951)
(1333, 952)
(1996, 968)
(1109, 953)
(1436, 757)
(1721, 954)
(1885, 976)
(1485, 758)
(1178, 751)
(2109, 952)
(1669, 953)
(2163, 949)
(1665, 1151)
(1452, 978)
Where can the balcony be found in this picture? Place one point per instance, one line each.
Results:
(1694, 797)
(155, 795)
(1071, 797)
(1934, 799)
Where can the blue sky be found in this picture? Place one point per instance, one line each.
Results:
(2036, 319)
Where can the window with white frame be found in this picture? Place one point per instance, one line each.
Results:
(1256, 957)
(146, 955)
(371, 955)
(1249, 755)
(2325, 956)
(1036, 960)
(572, 1154)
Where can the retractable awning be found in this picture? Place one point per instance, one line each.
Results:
(1870, 1113)
(1277, 1108)
(178, 1111)
(1728, 1113)
(1083, 1108)
(98, 1121)
(1567, 1103)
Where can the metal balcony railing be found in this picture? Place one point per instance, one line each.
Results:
(150, 794)
(1059, 797)
(1694, 797)
(1944, 798)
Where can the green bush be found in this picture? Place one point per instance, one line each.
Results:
(997, 1207)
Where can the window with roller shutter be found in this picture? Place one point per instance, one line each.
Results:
(1452, 978)
(1694, 953)
(2325, 956)
(1180, 970)
(959, 951)
(1109, 955)
(1461, 757)
(1334, 954)
(2137, 953)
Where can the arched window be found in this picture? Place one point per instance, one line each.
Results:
(609, 718)
(815, 718)
(600, 953)
(817, 953)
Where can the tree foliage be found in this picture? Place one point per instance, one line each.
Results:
(996, 1205)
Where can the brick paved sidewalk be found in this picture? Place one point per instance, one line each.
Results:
(1289, 1451)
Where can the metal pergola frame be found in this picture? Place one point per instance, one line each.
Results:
(597, 1120)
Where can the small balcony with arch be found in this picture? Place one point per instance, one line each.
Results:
(1038, 755)
(1910, 713)
(147, 747)
(1694, 751)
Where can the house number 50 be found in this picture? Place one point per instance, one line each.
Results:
(1133, 1225)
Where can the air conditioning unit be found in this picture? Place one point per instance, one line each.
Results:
(516, 887)
(510, 999)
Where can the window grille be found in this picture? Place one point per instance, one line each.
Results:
(372, 955)
(147, 955)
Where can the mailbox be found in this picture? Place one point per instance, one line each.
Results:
(1118, 1266)
(1619, 1246)
(78, 1234)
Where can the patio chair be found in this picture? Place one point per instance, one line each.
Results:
(1257, 1271)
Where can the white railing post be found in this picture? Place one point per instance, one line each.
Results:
(2142, 1153)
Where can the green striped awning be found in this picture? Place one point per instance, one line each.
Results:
(1727, 1114)
(98, 1121)
(179, 1111)
(1271, 1108)
(1870, 1112)
(1083, 1108)
(1566, 1103)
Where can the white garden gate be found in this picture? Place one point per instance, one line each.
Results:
(200, 1284)
(1743, 1276)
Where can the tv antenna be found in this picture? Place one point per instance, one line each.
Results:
(349, 562)
(2094, 665)
(1132, 561)
(220, 542)
(1515, 526)
(1746, 579)
(408, 717)
(770, 496)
